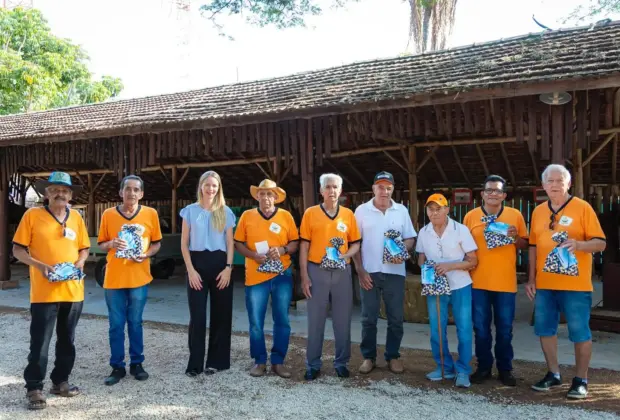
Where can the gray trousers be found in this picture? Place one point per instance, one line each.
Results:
(339, 285)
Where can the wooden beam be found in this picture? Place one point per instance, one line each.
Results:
(344, 177)
(457, 158)
(174, 204)
(439, 167)
(596, 151)
(482, 160)
(99, 182)
(418, 100)
(91, 215)
(263, 170)
(357, 173)
(534, 165)
(428, 157)
(413, 187)
(393, 159)
(511, 174)
(183, 177)
(5, 270)
(579, 181)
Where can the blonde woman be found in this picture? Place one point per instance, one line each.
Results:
(208, 249)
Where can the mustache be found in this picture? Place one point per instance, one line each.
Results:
(60, 197)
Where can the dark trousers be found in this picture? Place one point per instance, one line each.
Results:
(45, 316)
(209, 264)
(498, 307)
(392, 288)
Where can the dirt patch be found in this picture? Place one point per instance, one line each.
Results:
(604, 384)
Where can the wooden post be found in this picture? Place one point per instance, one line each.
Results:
(579, 187)
(173, 214)
(413, 187)
(5, 270)
(306, 156)
(92, 229)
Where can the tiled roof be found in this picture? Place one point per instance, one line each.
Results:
(581, 53)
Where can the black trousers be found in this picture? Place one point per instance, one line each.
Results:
(209, 264)
(64, 316)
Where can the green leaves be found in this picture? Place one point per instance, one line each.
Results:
(40, 71)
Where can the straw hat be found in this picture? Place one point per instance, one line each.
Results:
(267, 184)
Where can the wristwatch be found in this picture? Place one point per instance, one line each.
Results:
(229, 266)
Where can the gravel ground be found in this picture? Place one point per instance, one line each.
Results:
(233, 394)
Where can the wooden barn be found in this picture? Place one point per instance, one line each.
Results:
(439, 121)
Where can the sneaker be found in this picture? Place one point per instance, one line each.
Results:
(115, 377)
(578, 390)
(138, 372)
(462, 380)
(367, 366)
(342, 372)
(312, 374)
(506, 378)
(481, 375)
(546, 383)
(258, 370)
(436, 375)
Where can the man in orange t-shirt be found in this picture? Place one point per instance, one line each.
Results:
(495, 279)
(267, 236)
(48, 236)
(127, 278)
(564, 233)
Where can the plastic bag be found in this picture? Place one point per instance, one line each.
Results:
(561, 260)
(432, 283)
(332, 259)
(132, 234)
(394, 249)
(496, 233)
(65, 272)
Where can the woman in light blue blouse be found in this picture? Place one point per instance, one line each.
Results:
(208, 250)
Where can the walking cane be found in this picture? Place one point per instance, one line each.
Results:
(440, 336)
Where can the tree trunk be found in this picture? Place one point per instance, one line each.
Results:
(428, 11)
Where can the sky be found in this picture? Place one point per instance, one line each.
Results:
(155, 50)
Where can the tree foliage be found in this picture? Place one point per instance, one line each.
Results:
(40, 71)
(594, 8)
(430, 22)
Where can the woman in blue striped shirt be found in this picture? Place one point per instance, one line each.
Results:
(208, 250)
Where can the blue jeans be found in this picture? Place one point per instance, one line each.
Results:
(576, 307)
(460, 300)
(499, 307)
(392, 288)
(125, 306)
(280, 288)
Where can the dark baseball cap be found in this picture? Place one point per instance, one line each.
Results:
(384, 177)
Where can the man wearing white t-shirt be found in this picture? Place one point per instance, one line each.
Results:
(377, 279)
(450, 245)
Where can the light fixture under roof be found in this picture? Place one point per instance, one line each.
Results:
(555, 98)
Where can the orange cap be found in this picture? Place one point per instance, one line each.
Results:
(437, 198)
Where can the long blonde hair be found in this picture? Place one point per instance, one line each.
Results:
(218, 212)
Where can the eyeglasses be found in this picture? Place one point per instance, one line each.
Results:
(552, 221)
(434, 210)
(492, 191)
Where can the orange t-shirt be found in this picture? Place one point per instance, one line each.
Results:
(278, 230)
(577, 218)
(42, 234)
(121, 273)
(497, 268)
(317, 227)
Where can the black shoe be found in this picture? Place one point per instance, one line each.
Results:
(312, 374)
(192, 373)
(578, 390)
(342, 372)
(546, 383)
(115, 377)
(138, 372)
(480, 375)
(506, 378)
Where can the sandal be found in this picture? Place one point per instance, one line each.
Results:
(36, 400)
(65, 390)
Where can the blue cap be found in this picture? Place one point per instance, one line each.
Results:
(57, 178)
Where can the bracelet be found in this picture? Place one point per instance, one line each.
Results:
(229, 266)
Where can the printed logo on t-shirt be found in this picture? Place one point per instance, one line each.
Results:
(341, 227)
(275, 228)
(565, 221)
